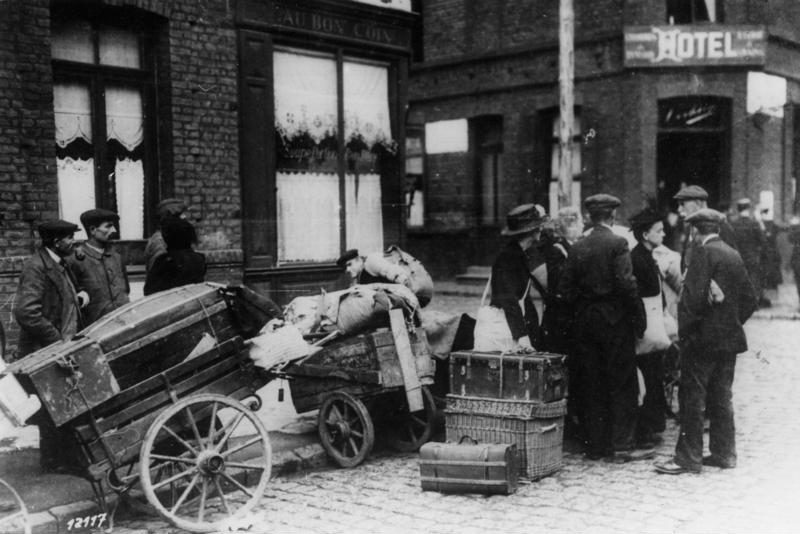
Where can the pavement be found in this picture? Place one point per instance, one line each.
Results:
(53, 500)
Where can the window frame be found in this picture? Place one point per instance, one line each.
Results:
(720, 13)
(390, 166)
(96, 77)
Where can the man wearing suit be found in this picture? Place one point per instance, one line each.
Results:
(598, 281)
(47, 309)
(750, 238)
(691, 199)
(712, 334)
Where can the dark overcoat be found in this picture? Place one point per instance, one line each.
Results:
(716, 327)
(46, 305)
(102, 275)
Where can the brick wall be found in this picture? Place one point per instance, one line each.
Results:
(198, 128)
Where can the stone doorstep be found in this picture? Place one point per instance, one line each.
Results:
(57, 519)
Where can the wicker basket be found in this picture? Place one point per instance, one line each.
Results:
(506, 407)
(539, 439)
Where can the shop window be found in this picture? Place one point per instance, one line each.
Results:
(487, 133)
(415, 191)
(577, 161)
(320, 187)
(102, 97)
(693, 11)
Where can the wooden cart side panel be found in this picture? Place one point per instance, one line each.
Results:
(309, 393)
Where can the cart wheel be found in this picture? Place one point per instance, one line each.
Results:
(13, 513)
(345, 429)
(408, 431)
(218, 474)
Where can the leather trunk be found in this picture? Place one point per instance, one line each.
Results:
(538, 377)
(490, 469)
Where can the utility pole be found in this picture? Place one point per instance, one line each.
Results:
(566, 81)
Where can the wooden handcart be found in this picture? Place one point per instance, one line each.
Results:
(377, 379)
(159, 415)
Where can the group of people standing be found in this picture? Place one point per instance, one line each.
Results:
(611, 308)
(64, 287)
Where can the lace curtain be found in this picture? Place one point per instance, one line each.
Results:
(308, 216)
(366, 105)
(74, 164)
(364, 215)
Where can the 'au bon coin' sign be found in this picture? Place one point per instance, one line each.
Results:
(678, 46)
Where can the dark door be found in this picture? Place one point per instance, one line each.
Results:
(690, 159)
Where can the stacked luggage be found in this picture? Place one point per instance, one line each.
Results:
(510, 399)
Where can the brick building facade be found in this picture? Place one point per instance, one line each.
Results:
(120, 103)
(484, 101)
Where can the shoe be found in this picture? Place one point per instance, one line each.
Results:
(622, 457)
(595, 456)
(713, 461)
(671, 468)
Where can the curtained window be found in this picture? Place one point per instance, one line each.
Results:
(101, 93)
(322, 210)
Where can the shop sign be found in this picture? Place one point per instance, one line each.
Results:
(690, 113)
(678, 46)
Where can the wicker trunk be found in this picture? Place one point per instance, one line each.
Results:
(536, 428)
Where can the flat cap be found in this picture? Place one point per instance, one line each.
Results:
(691, 192)
(705, 215)
(56, 228)
(97, 216)
(743, 203)
(601, 201)
(347, 256)
(170, 206)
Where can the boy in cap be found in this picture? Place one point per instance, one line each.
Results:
(690, 199)
(711, 334)
(156, 246)
(98, 267)
(598, 280)
(380, 270)
(47, 309)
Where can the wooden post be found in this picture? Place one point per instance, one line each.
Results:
(566, 74)
(408, 363)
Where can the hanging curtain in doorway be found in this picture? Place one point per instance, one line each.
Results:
(125, 133)
(364, 213)
(308, 216)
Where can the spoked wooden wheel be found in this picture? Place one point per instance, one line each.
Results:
(345, 429)
(13, 513)
(408, 431)
(213, 474)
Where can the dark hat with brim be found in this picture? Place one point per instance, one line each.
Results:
(645, 219)
(523, 219)
(170, 206)
(743, 203)
(347, 256)
(98, 216)
(601, 201)
(56, 229)
(705, 215)
(691, 192)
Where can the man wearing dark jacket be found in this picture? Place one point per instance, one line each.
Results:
(712, 335)
(750, 238)
(691, 199)
(98, 267)
(598, 280)
(47, 309)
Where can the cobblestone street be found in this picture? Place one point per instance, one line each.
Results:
(384, 495)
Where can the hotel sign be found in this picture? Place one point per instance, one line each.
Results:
(683, 46)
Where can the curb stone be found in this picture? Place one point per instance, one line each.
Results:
(56, 519)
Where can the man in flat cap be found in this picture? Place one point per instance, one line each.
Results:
(98, 267)
(166, 209)
(598, 280)
(711, 335)
(47, 309)
(750, 238)
(690, 199)
(371, 269)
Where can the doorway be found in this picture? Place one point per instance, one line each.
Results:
(693, 148)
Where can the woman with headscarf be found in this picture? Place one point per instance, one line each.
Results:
(180, 265)
(648, 228)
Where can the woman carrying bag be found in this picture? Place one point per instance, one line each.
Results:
(510, 322)
(648, 228)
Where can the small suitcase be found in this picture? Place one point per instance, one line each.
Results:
(485, 468)
(538, 377)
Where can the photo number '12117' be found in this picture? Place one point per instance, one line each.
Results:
(88, 521)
